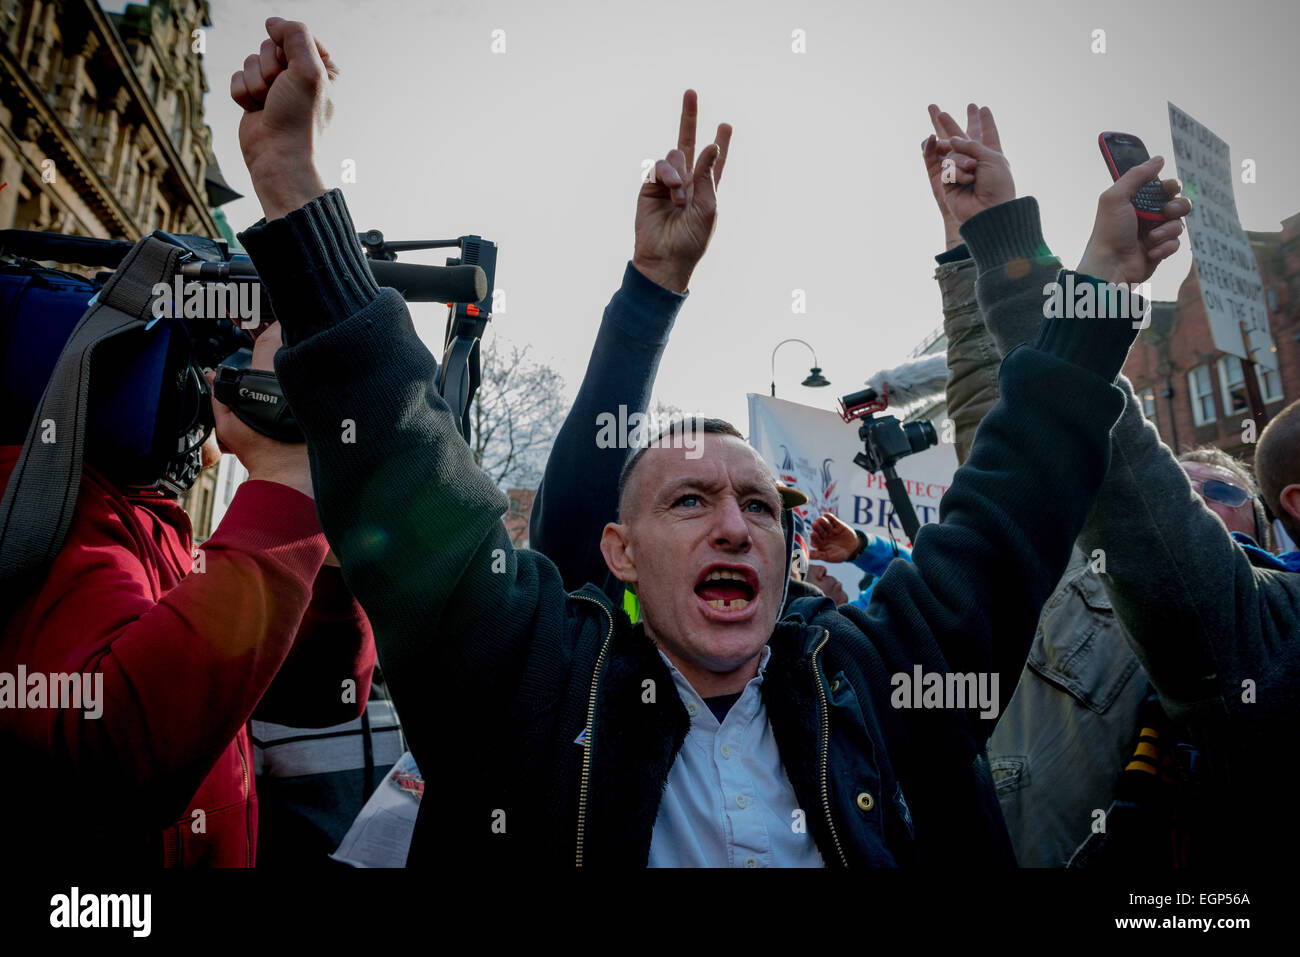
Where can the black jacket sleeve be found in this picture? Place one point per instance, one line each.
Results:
(415, 523)
(970, 601)
(579, 490)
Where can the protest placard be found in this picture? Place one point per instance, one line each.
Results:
(1231, 286)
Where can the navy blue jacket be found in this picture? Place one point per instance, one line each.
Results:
(522, 701)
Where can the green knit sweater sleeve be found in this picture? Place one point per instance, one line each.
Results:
(1200, 617)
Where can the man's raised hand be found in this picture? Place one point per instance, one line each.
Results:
(937, 162)
(284, 89)
(979, 176)
(677, 208)
(1123, 249)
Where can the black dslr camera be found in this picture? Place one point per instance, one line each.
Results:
(886, 440)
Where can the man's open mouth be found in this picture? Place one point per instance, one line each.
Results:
(727, 588)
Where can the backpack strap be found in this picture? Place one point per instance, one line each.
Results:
(36, 510)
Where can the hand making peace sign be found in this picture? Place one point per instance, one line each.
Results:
(677, 208)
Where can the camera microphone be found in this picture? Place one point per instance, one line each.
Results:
(419, 283)
(416, 283)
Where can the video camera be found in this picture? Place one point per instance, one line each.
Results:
(151, 411)
(885, 441)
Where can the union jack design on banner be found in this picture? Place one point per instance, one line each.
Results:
(817, 482)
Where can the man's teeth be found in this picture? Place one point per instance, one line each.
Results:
(735, 604)
(724, 604)
(723, 574)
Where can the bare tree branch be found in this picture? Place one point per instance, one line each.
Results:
(517, 410)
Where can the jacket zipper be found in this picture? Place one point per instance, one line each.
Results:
(248, 840)
(826, 745)
(590, 727)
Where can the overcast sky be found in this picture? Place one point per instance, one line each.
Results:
(540, 149)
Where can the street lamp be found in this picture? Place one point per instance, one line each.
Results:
(815, 378)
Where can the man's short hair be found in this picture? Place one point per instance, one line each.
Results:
(670, 436)
(1214, 456)
(1277, 463)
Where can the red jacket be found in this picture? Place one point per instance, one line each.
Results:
(186, 658)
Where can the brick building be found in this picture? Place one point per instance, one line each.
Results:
(1196, 394)
(516, 518)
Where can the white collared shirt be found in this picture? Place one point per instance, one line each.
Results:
(728, 802)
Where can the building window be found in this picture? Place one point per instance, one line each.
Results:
(1201, 392)
(1270, 384)
(205, 513)
(1233, 383)
(178, 120)
(1148, 397)
(87, 119)
(234, 476)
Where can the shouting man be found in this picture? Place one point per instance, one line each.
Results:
(550, 729)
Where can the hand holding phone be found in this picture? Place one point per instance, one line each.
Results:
(1123, 151)
(1126, 246)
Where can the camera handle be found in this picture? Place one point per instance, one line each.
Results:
(902, 504)
(460, 373)
(458, 376)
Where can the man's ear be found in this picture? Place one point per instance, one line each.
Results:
(1289, 499)
(616, 548)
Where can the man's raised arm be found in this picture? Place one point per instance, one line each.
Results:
(415, 523)
(1169, 559)
(1016, 506)
(972, 386)
(675, 215)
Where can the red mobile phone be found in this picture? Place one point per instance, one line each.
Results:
(1122, 152)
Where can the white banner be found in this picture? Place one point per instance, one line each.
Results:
(812, 450)
(1231, 286)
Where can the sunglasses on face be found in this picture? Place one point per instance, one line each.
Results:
(1222, 492)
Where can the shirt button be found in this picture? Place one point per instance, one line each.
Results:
(866, 801)
(751, 862)
(725, 752)
(740, 800)
(691, 709)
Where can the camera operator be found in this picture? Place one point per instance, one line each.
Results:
(579, 718)
(163, 774)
